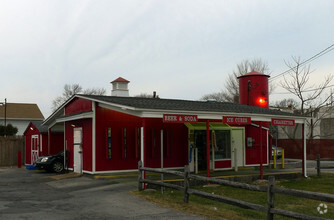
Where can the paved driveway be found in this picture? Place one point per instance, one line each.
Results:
(27, 194)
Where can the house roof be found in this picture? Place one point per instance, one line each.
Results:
(38, 124)
(186, 105)
(120, 79)
(40, 127)
(156, 107)
(253, 73)
(21, 111)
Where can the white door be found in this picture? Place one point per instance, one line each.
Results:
(77, 150)
(238, 146)
(77, 160)
(34, 148)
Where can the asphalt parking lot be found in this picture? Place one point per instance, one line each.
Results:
(33, 194)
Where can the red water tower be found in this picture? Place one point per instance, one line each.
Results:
(253, 89)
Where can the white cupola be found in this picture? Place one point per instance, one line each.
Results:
(120, 87)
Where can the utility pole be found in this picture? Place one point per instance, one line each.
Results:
(5, 131)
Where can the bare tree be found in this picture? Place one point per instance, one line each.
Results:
(231, 92)
(310, 95)
(70, 90)
(288, 103)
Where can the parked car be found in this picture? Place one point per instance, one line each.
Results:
(52, 163)
(278, 151)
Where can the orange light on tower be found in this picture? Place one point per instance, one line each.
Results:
(262, 101)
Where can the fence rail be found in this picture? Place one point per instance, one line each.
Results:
(9, 148)
(270, 189)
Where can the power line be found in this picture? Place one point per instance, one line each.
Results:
(321, 53)
(308, 90)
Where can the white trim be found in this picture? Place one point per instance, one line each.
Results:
(40, 143)
(256, 125)
(142, 144)
(94, 137)
(75, 117)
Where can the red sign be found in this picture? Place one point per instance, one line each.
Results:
(180, 118)
(233, 120)
(282, 122)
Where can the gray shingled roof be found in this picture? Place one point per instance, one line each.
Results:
(186, 105)
(40, 127)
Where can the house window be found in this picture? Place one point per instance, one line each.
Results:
(108, 148)
(125, 143)
(221, 140)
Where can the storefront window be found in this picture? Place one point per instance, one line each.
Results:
(221, 140)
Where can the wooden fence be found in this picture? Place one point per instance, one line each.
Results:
(319, 167)
(9, 150)
(270, 189)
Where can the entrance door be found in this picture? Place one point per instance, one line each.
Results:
(77, 150)
(200, 144)
(34, 148)
(238, 146)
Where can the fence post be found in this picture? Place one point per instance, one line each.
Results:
(270, 197)
(19, 163)
(318, 164)
(186, 183)
(140, 176)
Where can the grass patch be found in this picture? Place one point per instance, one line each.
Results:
(218, 210)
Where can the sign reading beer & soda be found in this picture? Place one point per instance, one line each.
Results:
(169, 118)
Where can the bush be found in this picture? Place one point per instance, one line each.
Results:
(10, 130)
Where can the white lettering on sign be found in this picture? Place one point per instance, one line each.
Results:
(180, 118)
(236, 120)
(283, 122)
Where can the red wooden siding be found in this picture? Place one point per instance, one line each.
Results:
(223, 164)
(56, 143)
(86, 125)
(117, 122)
(252, 153)
(175, 147)
(78, 105)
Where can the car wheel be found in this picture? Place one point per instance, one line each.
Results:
(58, 167)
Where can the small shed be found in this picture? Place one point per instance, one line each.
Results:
(40, 143)
(36, 139)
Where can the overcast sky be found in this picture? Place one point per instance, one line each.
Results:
(182, 49)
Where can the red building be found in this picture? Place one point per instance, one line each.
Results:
(37, 142)
(112, 133)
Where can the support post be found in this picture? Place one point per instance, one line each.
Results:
(318, 165)
(270, 197)
(235, 160)
(283, 158)
(186, 183)
(162, 158)
(140, 176)
(207, 148)
(304, 172)
(274, 159)
(261, 142)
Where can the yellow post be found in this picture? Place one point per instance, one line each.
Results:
(282, 158)
(274, 159)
